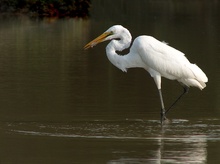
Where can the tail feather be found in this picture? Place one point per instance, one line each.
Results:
(199, 74)
(193, 82)
(199, 78)
(202, 84)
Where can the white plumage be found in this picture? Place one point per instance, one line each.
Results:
(158, 58)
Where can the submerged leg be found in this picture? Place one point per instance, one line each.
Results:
(185, 90)
(163, 111)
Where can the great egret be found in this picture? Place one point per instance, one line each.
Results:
(156, 57)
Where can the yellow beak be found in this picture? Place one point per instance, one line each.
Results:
(97, 40)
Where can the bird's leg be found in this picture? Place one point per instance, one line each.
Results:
(185, 90)
(163, 112)
(157, 79)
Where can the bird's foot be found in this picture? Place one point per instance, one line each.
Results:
(164, 120)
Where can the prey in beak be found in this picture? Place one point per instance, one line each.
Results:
(98, 40)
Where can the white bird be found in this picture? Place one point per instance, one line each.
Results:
(156, 57)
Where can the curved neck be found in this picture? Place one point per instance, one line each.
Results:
(119, 61)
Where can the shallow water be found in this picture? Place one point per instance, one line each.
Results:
(111, 141)
(62, 104)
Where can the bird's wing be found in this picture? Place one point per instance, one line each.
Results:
(168, 61)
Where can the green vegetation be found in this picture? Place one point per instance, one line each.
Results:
(46, 8)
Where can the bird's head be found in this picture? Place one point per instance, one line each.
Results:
(113, 32)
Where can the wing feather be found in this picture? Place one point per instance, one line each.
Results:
(166, 60)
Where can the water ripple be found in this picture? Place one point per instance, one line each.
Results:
(129, 129)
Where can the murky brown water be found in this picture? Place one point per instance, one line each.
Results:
(61, 104)
(111, 141)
